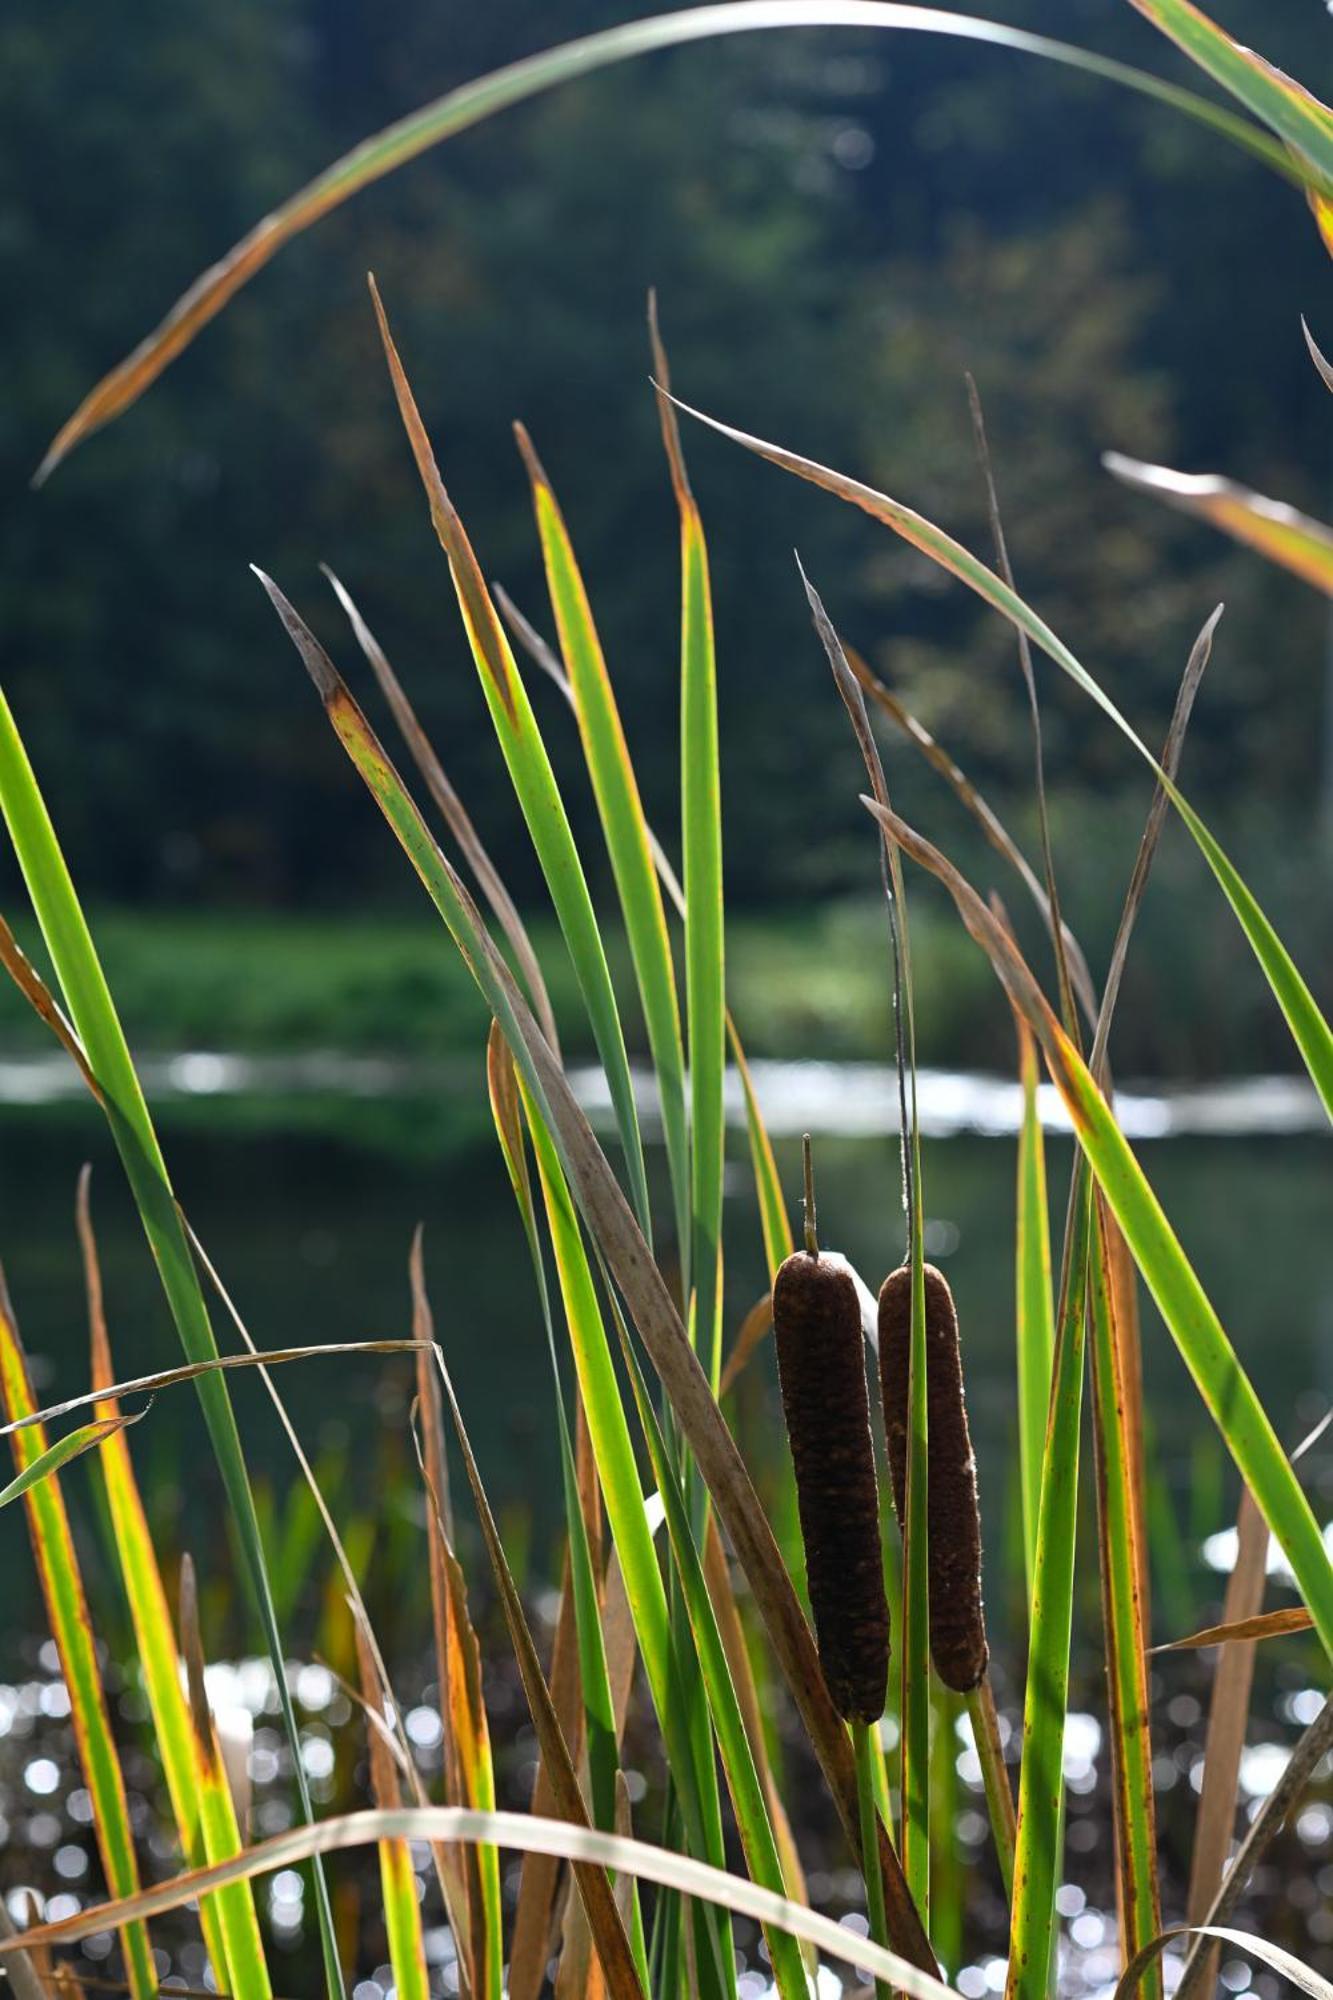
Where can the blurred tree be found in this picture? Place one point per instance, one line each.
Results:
(838, 225)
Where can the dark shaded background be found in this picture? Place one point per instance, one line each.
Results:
(838, 225)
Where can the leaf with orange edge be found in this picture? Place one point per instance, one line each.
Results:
(398, 1882)
(483, 96)
(63, 1452)
(150, 1614)
(469, 1770)
(1294, 113)
(1291, 539)
(219, 1828)
(72, 1631)
(530, 773)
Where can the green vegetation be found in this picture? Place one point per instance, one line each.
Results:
(803, 980)
(680, 1554)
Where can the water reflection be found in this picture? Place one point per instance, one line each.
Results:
(847, 1100)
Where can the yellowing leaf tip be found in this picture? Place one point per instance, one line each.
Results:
(536, 471)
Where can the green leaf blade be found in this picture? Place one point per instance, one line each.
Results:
(1038, 1855)
(1310, 1031)
(92, 1011)
(1035, 1305)
(530, 772)
(623, 822)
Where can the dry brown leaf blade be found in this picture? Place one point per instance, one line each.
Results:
(642, 1285)
(1263, 1625)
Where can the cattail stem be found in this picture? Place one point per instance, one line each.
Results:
(865, 1745)
(995, 1778)
(811, 1235)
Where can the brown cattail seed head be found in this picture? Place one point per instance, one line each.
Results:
(821, 1368)
(957, 1621)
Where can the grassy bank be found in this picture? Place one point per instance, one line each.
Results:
(802, 983)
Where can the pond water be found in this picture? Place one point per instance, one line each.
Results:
(305, 1182)
(306, 1198)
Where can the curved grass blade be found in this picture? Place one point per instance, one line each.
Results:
(1287, 537)
(1184, 1305)
(219, 1833)
(63, 1451)
(609, 1935)
(620, 807)
(527, 1835)
(530, 772)
(97, 1026)
(705, 951)
(167, 1378)
(1272, 1955)
(473, 102)
(611, 1223)
(155, 1638)
(1273, 1814)
(71, 1629)
(1311, 1032)
(1285, 106)
(453, 811)
(398, 1882)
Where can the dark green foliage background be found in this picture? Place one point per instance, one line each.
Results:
(838, 225)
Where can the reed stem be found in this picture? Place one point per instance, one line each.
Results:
(995, 1778)
(866, 1747)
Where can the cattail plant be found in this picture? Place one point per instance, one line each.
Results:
(957, 1621)
(821, 1369)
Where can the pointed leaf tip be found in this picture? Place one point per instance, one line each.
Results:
(527, 451)
(1320, 360)
(317, 662)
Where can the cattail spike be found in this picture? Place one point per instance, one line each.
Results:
(953, 1522)
(821, 1369)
